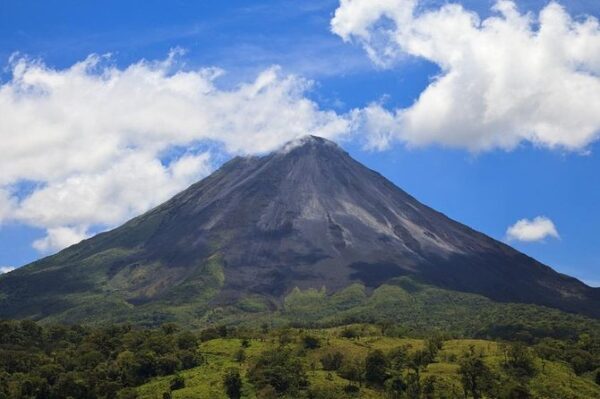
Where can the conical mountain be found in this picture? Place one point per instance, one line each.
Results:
(305, 216)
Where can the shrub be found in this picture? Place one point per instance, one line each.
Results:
(350, 333)
(190, 359)
(476, 377)
(232, 382)
(240, 356)
(280, 370)
(353, 370)
(168, 364)
(520, 361)
(352, 390)
(376, 365)
(332, 361)
(187, 340)
(209, 334)
(177, 382)
(311, 342)
(395, 387)
(399, 358)
(519, 392)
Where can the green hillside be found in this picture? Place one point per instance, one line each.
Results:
(350, 361)
(439, 377)
(419, 308)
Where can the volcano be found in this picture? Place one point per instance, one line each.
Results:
(306, 216)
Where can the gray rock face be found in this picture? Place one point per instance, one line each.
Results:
(309, 215)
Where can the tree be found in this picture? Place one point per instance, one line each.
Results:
(476, 377)
(350, 332)
(580, 360)
(376, 365)
(285, 337)
(169, 328)
(399, 358)
(129, 368)
(332, 361)
(240, 356)
(429, 387)
(520, 362)
(413, 385)
(311, 342)
(279, 369)
(209, 334)
(187, 340)
(385, 326)
(33, 386)
(353, 370)
(395, 387)
(232, 382)
(190, 359)
(264, 328)
(419, 360)
(168, 364)
(71, 384)
(433, 346)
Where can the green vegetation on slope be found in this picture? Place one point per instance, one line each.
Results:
(91, 292)
(416, 309)
(359, 360)
(114, 286)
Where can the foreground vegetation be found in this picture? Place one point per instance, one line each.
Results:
(358, 360)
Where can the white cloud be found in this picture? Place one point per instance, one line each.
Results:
(131, 186)
(532, 230)
(6, 269)
(505, 79)
(7, 204)
(93, 137)
(60, 237)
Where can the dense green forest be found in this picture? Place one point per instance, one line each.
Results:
(380, 360)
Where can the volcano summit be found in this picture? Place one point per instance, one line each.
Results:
(306, 216)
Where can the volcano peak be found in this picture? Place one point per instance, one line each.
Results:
(306, 216)
(307, 141)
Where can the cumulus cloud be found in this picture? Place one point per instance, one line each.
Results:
(505, 79)
(59, 238)
(532, 230)
(130, 186)
(94, 139)
(6, 269)
(6, 204)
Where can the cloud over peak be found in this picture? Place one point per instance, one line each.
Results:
(509, 78)
(92, 137)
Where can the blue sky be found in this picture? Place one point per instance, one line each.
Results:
(483, 181)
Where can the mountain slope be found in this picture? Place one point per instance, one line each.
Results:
(305, 216)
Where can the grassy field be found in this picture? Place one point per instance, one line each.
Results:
(552, 380)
